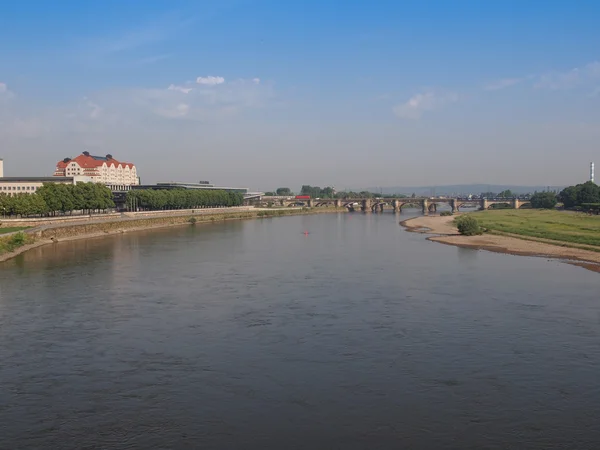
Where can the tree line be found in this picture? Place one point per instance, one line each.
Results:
(155, 200)
(54, 198)
(584, 196)
(329, 193)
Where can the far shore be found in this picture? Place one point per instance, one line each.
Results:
(92, 229)
(446, 233)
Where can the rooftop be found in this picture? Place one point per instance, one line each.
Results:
(87, 161)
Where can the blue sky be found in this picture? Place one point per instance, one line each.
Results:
(269, 93)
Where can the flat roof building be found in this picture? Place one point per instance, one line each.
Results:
(28, 185)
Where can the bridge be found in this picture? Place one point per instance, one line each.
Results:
(426, 204)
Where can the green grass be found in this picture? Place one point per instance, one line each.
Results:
(573, 228)
(12, 229)
(11, 243)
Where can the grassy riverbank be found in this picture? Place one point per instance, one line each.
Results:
(12, 243)
(12, 229)
(524, 236)
(559, 226)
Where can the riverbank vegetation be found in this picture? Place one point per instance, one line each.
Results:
(157, 200)
(468, 225)
(560, 226)
(11, 243)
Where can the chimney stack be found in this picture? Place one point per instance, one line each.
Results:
(1, 168)
(592, 172)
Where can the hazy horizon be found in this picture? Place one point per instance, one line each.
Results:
(265, 94)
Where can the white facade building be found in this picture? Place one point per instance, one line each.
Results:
(100, 169)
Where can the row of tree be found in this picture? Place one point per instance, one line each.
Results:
(580, 196)
(53, 198)
(329, 192)
(155, 200)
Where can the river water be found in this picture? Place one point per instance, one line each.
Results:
(253, 335)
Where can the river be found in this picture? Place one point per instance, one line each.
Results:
(254, 335)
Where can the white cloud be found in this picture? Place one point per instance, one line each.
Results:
(184, 90)
(188, 101)
(418, 104)
(180, 110)
(3, 88)
(502, 84)
(570, 79)
(256, 80)
(210, 80)
(94, 109)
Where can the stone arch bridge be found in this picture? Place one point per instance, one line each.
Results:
(427, 204)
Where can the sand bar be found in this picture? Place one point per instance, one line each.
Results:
(446, 233)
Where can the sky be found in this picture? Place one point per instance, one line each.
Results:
(269, 93)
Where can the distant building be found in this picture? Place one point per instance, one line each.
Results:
(120, 192)
(28, 185)
(100, 169)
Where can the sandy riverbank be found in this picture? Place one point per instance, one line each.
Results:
(446, 233)
(93, 229)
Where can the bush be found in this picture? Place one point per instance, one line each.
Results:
(468, 225)
(18, 239)
(11, 243)
(446, 213)
(192, 220)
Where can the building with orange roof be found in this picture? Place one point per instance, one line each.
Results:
(100, 169)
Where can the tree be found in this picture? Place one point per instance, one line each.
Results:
(588, 193)
(152, 200)
(270, 194)
(568, 196)
(284, 191)
(506, 194)
(327, 192)
(49, 193)
(543, 200)
(468, 225)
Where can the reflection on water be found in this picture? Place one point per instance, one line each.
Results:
(252, 334)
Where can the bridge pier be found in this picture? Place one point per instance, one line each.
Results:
(311, 203)
(425, 206)
(396, 205)
(484, 204)
(366, 205)
(516, 203)
(454, 205)
(338, 203)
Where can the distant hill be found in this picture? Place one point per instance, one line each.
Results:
(458, 189)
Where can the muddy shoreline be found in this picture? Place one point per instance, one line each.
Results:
(443, 231)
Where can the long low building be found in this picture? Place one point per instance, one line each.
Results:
(120, 191)
(28, 185)
(204, 185)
